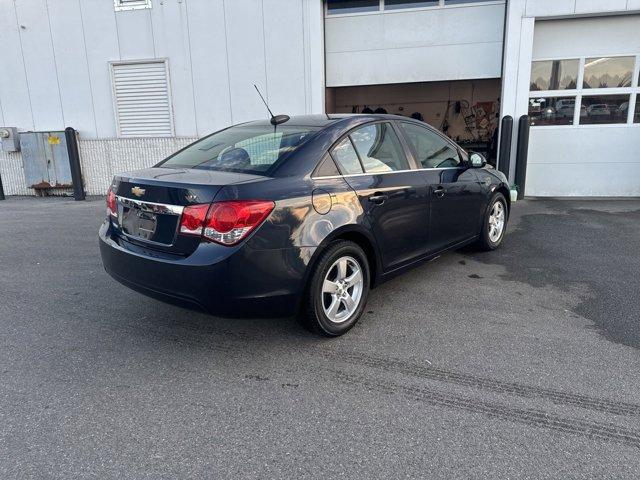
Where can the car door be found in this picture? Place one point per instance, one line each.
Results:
(392, 193)
(456, 197)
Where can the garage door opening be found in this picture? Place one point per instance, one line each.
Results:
(465, 110)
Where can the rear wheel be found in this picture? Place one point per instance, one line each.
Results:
(495, 223)
(338, 290)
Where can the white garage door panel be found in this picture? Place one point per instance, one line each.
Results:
(398, 46)
(596, 179)
(615, 144)
(585, 160)
(391, 66)
(587, 36)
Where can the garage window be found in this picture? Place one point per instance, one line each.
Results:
(554, 75)
(585, 91)
(131, 4)
(605, 109)
(352, 6)
(608, 72)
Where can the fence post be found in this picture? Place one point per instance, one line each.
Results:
(74, 163)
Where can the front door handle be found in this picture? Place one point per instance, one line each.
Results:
(439, 191)
(378, 198)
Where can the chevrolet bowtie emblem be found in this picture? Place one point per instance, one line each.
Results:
(137, 191)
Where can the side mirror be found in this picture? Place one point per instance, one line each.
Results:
(477, 160)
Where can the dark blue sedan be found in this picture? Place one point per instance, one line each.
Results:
(302, 217)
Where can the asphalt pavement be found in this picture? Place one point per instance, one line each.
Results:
(518, 363)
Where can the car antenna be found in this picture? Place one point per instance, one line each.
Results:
(275, 119)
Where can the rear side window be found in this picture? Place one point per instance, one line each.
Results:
(346, 157)
(327, 168)
(379, 148)
(433, 151)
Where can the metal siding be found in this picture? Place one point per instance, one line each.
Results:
(101, 38)
(14, 91)
(245, 44)
(171, 40)
(71, 64)
(39, 60)
(142, 100)
(208, 48)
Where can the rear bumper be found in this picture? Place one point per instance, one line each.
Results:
(236, 282)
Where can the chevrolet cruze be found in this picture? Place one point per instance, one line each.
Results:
(298, 216)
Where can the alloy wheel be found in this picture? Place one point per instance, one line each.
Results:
(342, 289)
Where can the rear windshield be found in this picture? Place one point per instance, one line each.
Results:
(244, 149)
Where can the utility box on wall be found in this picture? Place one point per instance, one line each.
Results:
(46, 160)
(9, 139)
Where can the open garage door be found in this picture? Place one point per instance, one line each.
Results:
(465, 110)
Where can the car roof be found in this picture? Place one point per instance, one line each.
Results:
(325, 120)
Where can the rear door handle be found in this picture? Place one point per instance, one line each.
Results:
(439, 191)
(378, 198)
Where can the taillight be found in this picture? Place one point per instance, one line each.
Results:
(112, 208)
(225, 222)
(193, 218)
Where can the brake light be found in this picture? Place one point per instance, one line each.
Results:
(226, 222)
(193, 218)
(112, 207)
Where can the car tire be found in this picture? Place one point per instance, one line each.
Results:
(340, 275)
(490, 238)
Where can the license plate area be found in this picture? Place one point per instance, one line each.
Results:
(149, 222)
(138, 223)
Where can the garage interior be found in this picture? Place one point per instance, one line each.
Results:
(465, 110)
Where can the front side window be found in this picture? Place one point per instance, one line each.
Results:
(554, 75)
(346, 157)
(244, 149)
(432, 150)
(608, 72)
(379, 148)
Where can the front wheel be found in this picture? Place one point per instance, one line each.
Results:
(495, 223)
(338, 290)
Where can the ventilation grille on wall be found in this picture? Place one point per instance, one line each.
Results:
(142, 100)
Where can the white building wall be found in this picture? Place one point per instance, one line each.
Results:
(452, 42)
(54, 70)
(571, 160)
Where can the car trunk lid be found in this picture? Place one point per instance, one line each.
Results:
(150, 203)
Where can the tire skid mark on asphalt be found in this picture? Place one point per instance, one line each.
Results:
(529, 417)
(486, 384)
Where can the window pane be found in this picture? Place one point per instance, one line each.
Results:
(433, 151)
(605, 109)
(346, 157)
(327, 168)
(554, 75)
(393, 4)
(251, 149)
(352, 6)
(379, 148)
(456, 2)
(553, 111)
(636, 113)
(608, 72)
